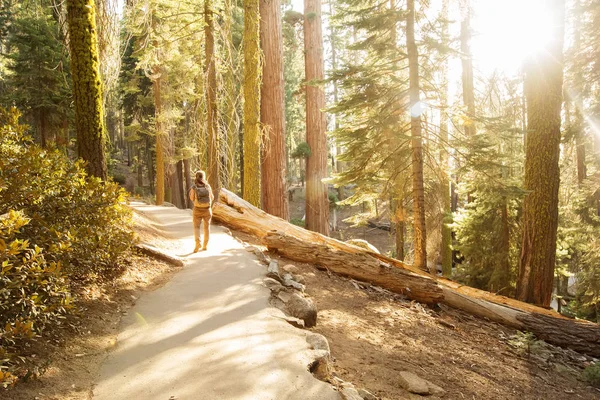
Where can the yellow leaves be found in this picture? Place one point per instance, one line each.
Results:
(7, 379)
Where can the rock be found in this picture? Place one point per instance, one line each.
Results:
(273, 271)
(295, 322)
(297, 306)
(291, 268)
(317, 341)
(273, 285)
(366, 395)
(300, 279)
(321, 366)
(413, 383)
(435, 390)
(363, 244)
(349, 392)
(288, 280)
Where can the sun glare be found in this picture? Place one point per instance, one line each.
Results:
(506, 32)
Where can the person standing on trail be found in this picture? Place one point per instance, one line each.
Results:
(202, 196)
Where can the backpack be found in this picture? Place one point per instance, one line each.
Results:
(202, 197)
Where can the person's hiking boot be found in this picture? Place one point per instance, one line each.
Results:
(198, 246)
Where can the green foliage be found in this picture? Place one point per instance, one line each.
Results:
(57, 226)
(79, 220)
(333, 200)
(298, 222)
(301, 151)
(33, 295)
(592, 374)
(487, 227)
(38, 79)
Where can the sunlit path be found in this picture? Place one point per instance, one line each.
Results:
(208, 333)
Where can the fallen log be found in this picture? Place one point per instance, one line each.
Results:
(379, 225)
(301, 245)
(155, 252)
(358, 266)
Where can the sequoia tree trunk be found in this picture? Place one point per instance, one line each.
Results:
(272, 112)
(160, 137)
(543, 90)
(87, 87)
(317, 201)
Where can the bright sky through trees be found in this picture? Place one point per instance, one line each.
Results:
(505, 32)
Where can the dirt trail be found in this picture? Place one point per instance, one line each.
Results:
(209, 332)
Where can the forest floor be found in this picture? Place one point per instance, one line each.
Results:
(373, 335)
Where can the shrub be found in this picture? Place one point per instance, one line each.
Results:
(592, 374)
(33, 294)
(297, 222)
(57, 226)
(80, 221)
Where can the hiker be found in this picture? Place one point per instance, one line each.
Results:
(202, 196)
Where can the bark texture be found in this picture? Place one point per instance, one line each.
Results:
(543, 90)
(211, 99)
(252, 95)
(317, 202)
(416, 142)
(361, 266)
(87, 86)
(272, 112)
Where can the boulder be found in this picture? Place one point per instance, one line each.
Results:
(291, 269)
(414, 384)
(298, 306)
(349, 392)
(317, 342)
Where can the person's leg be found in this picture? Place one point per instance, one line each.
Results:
(206, 231)
(197, 220)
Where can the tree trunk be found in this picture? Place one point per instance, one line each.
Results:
(467, 69)
(446, 244)
(188, 182)
(211, 99)
(272, 112)
(160, 145)
(416, 142)
(338, 165)
(303, 245)
(87, 87)
(578, 88)
(140, 176)
(317, 202)
(150, 165)
(231, 98)
(181, 201)
(252, 103)
(543, 90)
(399, 219)
(361, 266)
(500, 282)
